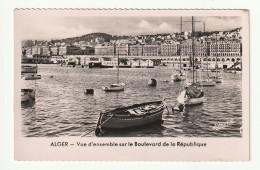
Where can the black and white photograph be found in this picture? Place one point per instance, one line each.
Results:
(106, 75)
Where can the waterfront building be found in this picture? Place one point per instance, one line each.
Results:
(28, 51)
(54, 50)
(63, 50)
(122, 49)
(186, 48)
(109, 61)
(225, 52)
(36, 50)
(135, 50)
(103, 49)
(169, 49)
(45, 50)
(69, 50)
(147, 63)
(150, 50)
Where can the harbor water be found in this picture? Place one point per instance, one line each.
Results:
(62, 109)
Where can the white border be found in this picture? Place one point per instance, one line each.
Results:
(6, 70)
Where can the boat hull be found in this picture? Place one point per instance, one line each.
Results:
(29, 69)
(114, 87)
(182, 99)
(127, 118)
(33, 77)
(128, 122)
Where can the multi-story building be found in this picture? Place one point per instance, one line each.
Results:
(45, 50)
(63, 50)
(186, 48)
(69, 50)
(150, 50)
(170, 49)
(28, 51)
(136, 50)
(102, 49)
(36, 50)
(122, 49)
(225, 48)
(55, 50)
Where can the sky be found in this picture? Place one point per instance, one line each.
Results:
(46, 28)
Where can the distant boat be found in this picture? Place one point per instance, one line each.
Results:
(216, 79)
(178, 77)
(29, 69)
(131, 116)
(27, 95)
(207, 82)
(33, 77)
(116, 86)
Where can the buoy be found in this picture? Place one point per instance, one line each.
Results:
(152, 82)
(89, 91)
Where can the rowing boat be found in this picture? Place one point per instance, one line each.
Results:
(131, 116)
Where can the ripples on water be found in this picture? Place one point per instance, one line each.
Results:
(62, 109)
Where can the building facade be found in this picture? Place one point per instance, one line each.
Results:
(135, 50)
(150, 50)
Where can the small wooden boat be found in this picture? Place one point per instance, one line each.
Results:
(131, 116)
(178, 77)
(216, 79)
(114, 87)
(27, 95)
(33, 77)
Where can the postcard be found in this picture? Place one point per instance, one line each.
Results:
(131, 85)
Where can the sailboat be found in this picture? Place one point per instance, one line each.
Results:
(216, 78)
(33, 76)
(191, 95)
(208, 81)
(116, 86)
(178, 76)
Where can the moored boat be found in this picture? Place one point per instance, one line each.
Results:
(28, 69)
(32, 77)
(207, 82)
(114, 87)
(216, 79)
(178, 77)
(27, 95)
(192, 95)
(131, 116)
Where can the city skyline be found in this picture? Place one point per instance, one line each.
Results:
(47, 28)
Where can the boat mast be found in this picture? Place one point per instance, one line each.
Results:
(192, 50)
(118, 66)
(180, 45)
(216, 59)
